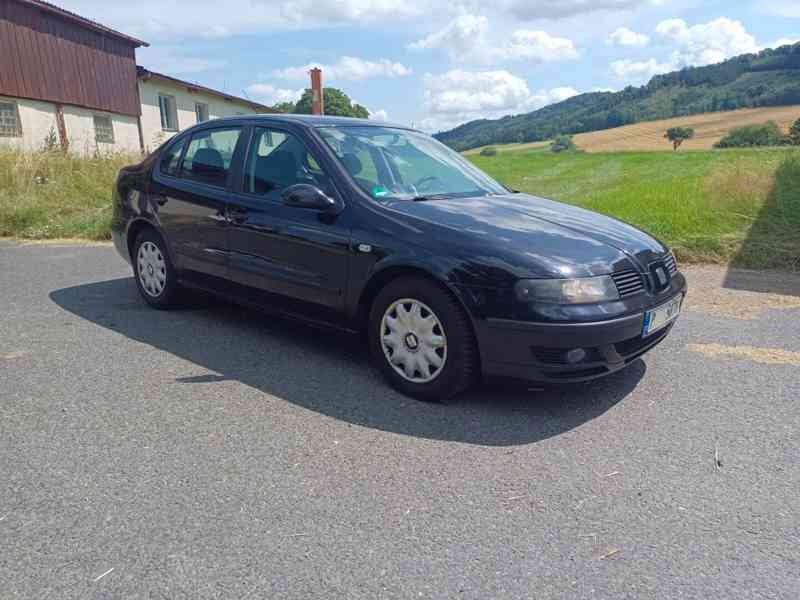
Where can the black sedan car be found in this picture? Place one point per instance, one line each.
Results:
(379, 228)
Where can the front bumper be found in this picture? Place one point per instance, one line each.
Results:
(538, 351)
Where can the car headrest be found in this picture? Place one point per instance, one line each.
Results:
(276, 170)
(352, 163)
(207, 160)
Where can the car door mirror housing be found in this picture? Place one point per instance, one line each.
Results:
(304, 195)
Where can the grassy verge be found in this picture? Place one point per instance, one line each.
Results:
(52, 195)
(739, 206)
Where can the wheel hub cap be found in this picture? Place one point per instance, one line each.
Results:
(152, 269)
(413, 340)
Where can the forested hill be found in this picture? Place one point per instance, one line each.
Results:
(769, 78)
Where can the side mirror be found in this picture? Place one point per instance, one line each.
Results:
(304, 195)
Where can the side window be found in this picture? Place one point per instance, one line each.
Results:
(9, 120)
(169, 112)
(170, 158)
(277, 160)
(209, 155)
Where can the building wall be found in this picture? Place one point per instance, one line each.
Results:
(44, 56)
(80, 131)
(185, 101)
(38, 118)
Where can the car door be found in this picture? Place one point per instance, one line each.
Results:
(298, 253)
(190, 189)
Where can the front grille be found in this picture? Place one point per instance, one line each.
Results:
(671, 264)
(629, 283)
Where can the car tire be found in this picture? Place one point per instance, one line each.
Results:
(155, 276)
(412, 322)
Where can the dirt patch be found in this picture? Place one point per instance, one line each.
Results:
(766, 356)
(710, 292)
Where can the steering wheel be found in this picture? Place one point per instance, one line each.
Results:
(429, 179)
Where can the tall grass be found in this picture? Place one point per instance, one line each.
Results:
(46, 195)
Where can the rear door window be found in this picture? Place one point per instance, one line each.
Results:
(209, 155)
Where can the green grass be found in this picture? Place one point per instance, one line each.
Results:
(49, 195)
(736, 206)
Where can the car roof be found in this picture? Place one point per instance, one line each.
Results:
(316, 120)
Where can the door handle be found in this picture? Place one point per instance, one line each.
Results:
(237, 215)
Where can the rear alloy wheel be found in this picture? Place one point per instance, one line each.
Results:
(153, 270)
(421, 340)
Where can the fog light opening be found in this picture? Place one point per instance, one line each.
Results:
(575, 355)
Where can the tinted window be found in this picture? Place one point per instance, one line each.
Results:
(277, 160)
(169, 162)
(209, 155)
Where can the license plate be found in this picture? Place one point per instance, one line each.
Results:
(661, 316)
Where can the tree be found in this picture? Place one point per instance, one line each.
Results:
(489, 151)
(337, 104)
(284, 107)
(677, 135)
(562, 143)
(794, 134)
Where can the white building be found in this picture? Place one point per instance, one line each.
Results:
(170, 105)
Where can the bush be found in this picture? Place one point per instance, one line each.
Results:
(562, 143)
(794, 134)
(765, 134)
(489, 151)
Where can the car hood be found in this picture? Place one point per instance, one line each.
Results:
(538, 236)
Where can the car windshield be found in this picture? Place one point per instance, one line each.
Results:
(390, 163)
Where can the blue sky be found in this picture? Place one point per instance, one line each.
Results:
(438, 64)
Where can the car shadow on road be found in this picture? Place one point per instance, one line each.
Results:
(329, 373)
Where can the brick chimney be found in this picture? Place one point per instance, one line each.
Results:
(317, 97)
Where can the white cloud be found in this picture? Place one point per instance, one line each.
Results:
(458, 96)
(625, 37)
(784, 41)
(466, 38)
(639, 70)
(349, 68)
(269, 94)
(706, 43)
(379, 115)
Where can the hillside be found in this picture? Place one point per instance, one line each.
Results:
(649, 135)
(769, 78)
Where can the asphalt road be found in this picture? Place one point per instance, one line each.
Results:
(216, 453)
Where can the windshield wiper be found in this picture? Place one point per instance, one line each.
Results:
(427, 197)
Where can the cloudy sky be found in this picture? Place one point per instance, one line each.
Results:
(437, 64)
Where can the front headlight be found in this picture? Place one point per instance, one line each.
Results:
(567, 291)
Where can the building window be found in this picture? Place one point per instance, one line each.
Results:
(103, 129)
(169, 113)
(201, 111)
(9, 120)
